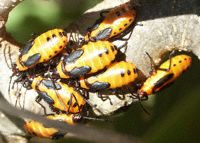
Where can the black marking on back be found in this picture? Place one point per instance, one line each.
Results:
(48, 39)
(58, 135)
(73, 56)
(95, 25)
(97, 86)
(103, 34)
(32, 60)
(128, 72)
(50, 85)
(60, 34)
(122, 74)
(45, 97)
(54, 36)
(80, 71)
(107, 52)
(162, 81)
(103, 51)
(100, 54)
(26, 48)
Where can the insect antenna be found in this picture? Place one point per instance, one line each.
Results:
(93, 118)
(136, 96)
(9, 54)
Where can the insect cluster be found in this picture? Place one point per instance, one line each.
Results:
(93, 66)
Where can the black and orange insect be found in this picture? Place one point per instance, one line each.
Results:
(165, 74)
(90, 58)
(36, 128)
(113, 24)
(60, 96)
(41, 49)
(116, 75)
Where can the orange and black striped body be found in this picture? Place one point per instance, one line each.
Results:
(58, 95)
(41, 49)
(36, 128)
(117, 75)
(114, 23)
(88, 59)
(160, 78)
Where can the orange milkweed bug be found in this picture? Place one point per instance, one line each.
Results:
(41, 49)
(165, 74)
(90, 58)
(116, 23)
(59, 96)
(36, 128)
(116, 75)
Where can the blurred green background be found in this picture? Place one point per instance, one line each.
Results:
(174, 111)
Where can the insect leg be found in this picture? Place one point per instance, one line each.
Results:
(6, 60)
(104, 98)
(38, 99)
(153, 64)
(170, 62)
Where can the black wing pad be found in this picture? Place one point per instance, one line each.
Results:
(80, 71)
(32, 60)
(103, 34)
(95, 25)
(73, 56)
(162, 81)
(97, 86)
(51, 84)
(58, 135)
(26, 48)
(45, 97)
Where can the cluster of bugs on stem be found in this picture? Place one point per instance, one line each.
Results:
(93, 66)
